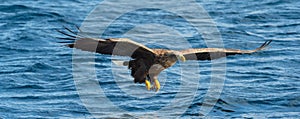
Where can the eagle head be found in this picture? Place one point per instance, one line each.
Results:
(175, 55)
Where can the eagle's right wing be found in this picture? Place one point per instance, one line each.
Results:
(215, 53)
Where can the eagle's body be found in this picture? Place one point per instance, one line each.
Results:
(153, 67)
(146, 63)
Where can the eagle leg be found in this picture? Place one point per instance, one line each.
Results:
(156, 85)
(148, 84)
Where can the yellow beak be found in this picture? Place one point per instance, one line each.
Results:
(182, 58)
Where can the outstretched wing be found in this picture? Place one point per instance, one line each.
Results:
(112, 46)
(215, 53)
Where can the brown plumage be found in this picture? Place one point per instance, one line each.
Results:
(146, 63)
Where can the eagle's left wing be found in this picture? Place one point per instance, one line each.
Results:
(215, 53)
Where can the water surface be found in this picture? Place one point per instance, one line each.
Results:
(36, 70)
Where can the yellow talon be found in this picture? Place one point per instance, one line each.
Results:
(157, 85)
(148, 85)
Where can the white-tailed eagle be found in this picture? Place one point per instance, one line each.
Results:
(146, 63)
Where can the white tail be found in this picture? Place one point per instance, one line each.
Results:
(120, 63)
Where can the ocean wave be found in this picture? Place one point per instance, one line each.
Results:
(16, 8)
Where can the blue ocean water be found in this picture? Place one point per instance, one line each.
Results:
(36, 70)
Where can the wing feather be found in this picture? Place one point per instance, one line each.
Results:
(111, 46)
(215, 53)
